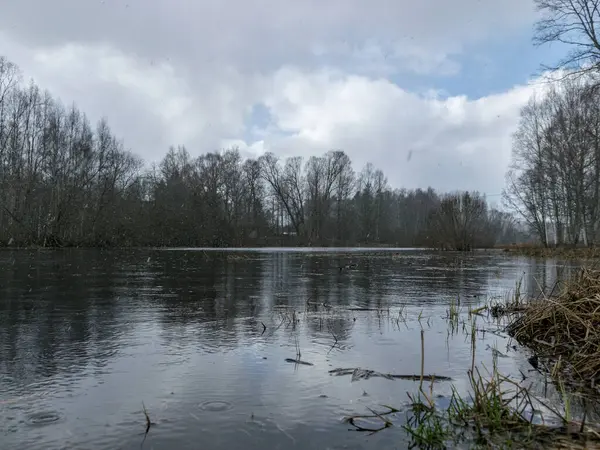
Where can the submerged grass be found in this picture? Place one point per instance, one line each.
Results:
(497, 412)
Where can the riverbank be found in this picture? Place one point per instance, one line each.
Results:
(552, 252)
(563, 330)
(261, 245)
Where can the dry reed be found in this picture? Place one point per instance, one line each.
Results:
(564, 330)
(553, 252)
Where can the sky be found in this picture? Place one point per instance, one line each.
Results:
(427, 91)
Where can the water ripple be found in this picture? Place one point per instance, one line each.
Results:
(42, 418)
(216, 406)
(202, 344)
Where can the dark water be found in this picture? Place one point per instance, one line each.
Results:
(87, 336)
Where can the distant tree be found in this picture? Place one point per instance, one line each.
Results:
(65, 182)
(458, 222)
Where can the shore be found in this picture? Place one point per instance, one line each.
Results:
(552, 252)
(561, 331)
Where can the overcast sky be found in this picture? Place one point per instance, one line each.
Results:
(441, 81)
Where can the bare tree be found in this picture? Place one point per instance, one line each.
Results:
(460, 221)
(65, 182)
(554, 179)
(575, 23)
(287, 185)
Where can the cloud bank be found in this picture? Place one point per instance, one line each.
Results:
(294, 78)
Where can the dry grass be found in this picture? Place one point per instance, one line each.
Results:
(564, 330)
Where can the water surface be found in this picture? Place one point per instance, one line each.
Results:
(201, 337)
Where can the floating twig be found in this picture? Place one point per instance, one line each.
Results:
(365, 374)
(298, 361)
(149, 423)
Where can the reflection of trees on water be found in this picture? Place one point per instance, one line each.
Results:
(186, 288)
(448, 275)
(376, 282)
(331, 326)
(285, 279)
(61, 311)
(543, 275)
(206, 296)
(57, 313)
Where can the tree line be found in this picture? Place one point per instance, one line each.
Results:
(66, 183)
(554, 179)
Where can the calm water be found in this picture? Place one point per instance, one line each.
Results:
(87, 336)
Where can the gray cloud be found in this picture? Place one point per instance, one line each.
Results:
(181, 72)
(263, 34)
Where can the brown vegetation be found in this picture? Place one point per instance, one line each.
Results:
(563, 330)
(552, 252)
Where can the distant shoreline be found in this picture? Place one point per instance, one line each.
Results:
(208, 248)
(539, 251)
(529, 250)
(324, 249)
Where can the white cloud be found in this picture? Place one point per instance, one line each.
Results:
(182, 73)
(456, 143)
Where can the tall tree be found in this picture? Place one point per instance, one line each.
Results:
(65, 181)
(576, 24)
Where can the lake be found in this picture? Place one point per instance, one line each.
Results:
(200, 338)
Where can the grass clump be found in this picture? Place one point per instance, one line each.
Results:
(563, 330)
(514, 302)
(453, 313)
(498, 413)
